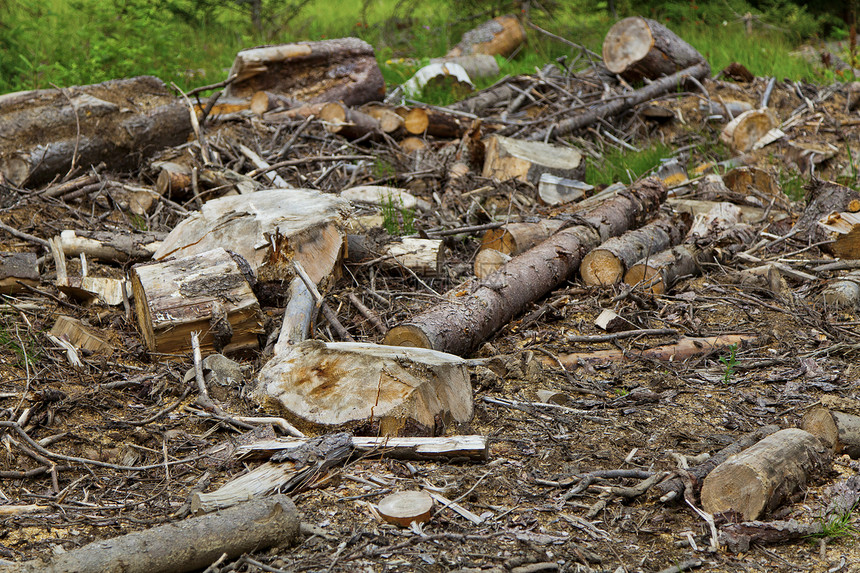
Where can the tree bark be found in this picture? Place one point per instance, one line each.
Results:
(822, 199)
(343, 69)
(119, 122)
(15, 268)
(347, 122)
(843, 292)
(844, 234)
(422, 121)
(460, 323)
(502, 35)
(515, 238)
(838, 430)
(113, 247)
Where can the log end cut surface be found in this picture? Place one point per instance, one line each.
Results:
(601, 267)
(405, 507)
(627, 42)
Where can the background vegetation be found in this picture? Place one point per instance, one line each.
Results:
(192, 42)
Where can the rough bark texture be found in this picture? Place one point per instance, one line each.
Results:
(110, 246)
(844, 292)
(461, 323)
(659, 272)
(637, 48)
(15, 267)
(823, 198)
(119, 122)
(844, 232)
(515, 238)
(839, 430)
(343, 70)
(502, 35)
(185, 545)
(762, 477)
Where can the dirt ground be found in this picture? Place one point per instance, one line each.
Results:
(536, 513)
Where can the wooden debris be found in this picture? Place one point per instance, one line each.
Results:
(85, 288)
(404, 508)
(80, 335)
(762, 477)
(839, 430)
(206, 292)
(637, 48)
(475, 65)
(508, 158)
(440, 75)
(380, 195)
(348, 122)
(332, 385)
(554, 190)
(823, 198)
(516, 238)
(488, 261)
(110, 247)
(426, 121)
(502, 35)
(343, 69)
(843, 292)
(609, 321)
(844, 234)
(264, 101)
(747, 129)
(424, 257)
(389, 120)
(17, 268)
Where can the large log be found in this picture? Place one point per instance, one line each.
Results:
(508, 158)
(343, 69)
(502, 35)
(763, 476)
(187, 545)
(839, 430)
(459, 324)
(637, 48)
(119, 122)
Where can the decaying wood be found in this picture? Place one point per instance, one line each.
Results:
(739, 537)
(186, 545)
(425, 121)
(502, 35)
(206, 292)
(844, 234)
(343, 69)
(348, 122)
(382, 196)
(459, 324)
(299, 315)
(760, 478)
(424, 257)
(822, 199)
(405, 507)
(110, 247)
(637, 48)
(45, 133)
(175, 180)
(839, 430)
(746, 130)
(17, 268)
(843, 292)
(80, 335)
(610, 321)
(333, 385)
(508, 158)
(607, 264)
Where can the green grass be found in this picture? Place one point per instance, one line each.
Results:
(620, 166)
(397, 220)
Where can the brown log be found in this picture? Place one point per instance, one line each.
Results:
(502, 35)
(843, 292)
(389, 120)
(119, 122)
(422, 121)
(515, 238)
(424, 257)
(174, 180)
(343, 69)
(488, 261)
(838, 430)
(637, 48)
(822, 199)
(406, 507)
(844, 234)
(742, 179)
(461, 323)
(264, 101)
(484, 99)
(185, 545)
(347, 122)
(413, 144)
(114, 247)
(302, 111)
(196, 293)
(743, 132)
(17, 268)
(762, 477)
(508, 158)
(607, 264)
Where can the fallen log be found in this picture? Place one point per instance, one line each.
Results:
(342, 69)
(424, 257)
(508, 158)
(17, 269)
(838, 430)
(607, 264)
(639, 48)
(843, 292)
(347, 122)
(515, 238)
(264, 101)
(389, 120)
(760, 478)
(459, 324)
(46, 133)
(502, 35)
(617, 106)
(175, 180)
(113, 247)
(425, 121)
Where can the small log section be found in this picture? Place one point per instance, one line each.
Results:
(515, 238)
(348, 122)
(344, 69)
(502, 35)
(16, 268)
(119, 122)
(206, 292)
(843, 292)
(187, 545)
(405, 507)
(423, 121)
(838, 430)
(80, 335)
(424, 257)
(744, 131)
(459, 324)
(762, 477)
(637, 48)
(508, 158)
(112, 247)
(607, 264)
(844, 230)
(822, 199)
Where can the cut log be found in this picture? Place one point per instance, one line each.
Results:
(503, 35)
(175, 180)
(459, 324)
(515, 238)
(394, 390)
(264, 101)
(746, 130)
(423, 121)
(637, 48)
(119, 122)
(380, 195)
(485, 99)
(844, 232)
(554, 190)
(81, 335)
(405, 507)
(413, 144)
(269, 229)
(508, 158)
(186, 545)
(838, 430)
(762, 477)
(843, 292)
(205, 292)
(17, 268)
(424, 257)
(347, 122)
(302, 111)
(343, 69)
(447, 76)
(607, 264)
(488, 261)
(476, 65)
(389, 120)
(822, 199)
(113, 247)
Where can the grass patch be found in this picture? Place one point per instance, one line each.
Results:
(397, 220)
(624, 166)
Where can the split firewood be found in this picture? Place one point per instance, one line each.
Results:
(344, 69)
(844, 234)
(607, 264)
(405, 507)
(822, 199)
(508, 158)
(554, 190)
(392, 388)
(348, 122)
(187, 545)
(459, 324)
(838, 430)
(424, 257)
(440, 75)
(843, 292)
(637, 48)
(502, 35)
(206, 292)
(264, 101)
(17, 268)
(748, 129)
(81, 335)
(426, 121)
(760, 478)
(109, 246)
(45, 133)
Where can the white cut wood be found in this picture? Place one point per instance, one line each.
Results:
(380, 195)
(508, 158)
(554, 190)
(745, 131)
(448, 74)
(470, 447)
(404, 507)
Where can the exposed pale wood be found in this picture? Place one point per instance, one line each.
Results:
(637, 48)
(412, 144)
(508, 158)
(424, 121)
(178, 296)
(403, 508)
(302, 111)
(273, 177)
(298, 316)
(502, 35)
(515, 238)
(460, 323)
(264, 101)
(7, 510)
(424, 257)
(822, 199)
(389, 121)
(744, 179)
(16, 268)
(347, 122)
(744, 131)
(80, 335)
(609, 321)
(488, 261)
(844, 232)
(186, 545)
(839, 430)
(843, 292)
(748, 214)
(343, 69)
(336, 384)
(763, 476)
(115, 247)
(380, 195)
(476, 65)
(440, 75)
(554, 190)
